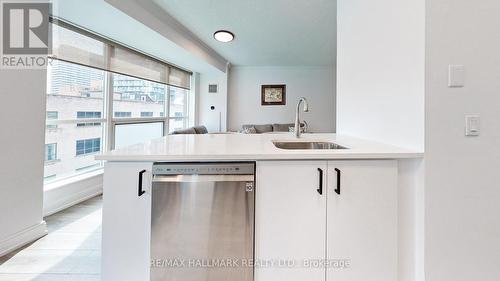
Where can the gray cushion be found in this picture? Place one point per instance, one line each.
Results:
(249, 130)
(260, 128)
(285, 127)
(282, 127)
(200, 129)
(187, 131)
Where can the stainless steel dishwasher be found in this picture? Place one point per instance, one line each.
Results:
(202, 222)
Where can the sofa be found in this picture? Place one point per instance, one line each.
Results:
(196, 130)
(270, 128)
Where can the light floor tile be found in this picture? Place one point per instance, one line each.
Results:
(70, 252)
(49, 277)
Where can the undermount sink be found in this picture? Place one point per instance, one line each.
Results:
(307, 145)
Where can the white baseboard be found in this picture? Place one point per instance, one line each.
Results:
(68, 194)
(22, 238)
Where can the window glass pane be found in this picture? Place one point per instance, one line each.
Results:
(128, 134)
(178, 102)
(73, 92)
(134, 96)
(176, 124)
(75, 150)
(72, 88)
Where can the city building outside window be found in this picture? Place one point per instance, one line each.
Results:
(147, 114)
(88, 115)
(123, 114)
(52, 115)
(75, 92)
(88, 146)
(51, 152)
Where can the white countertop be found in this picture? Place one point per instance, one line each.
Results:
(251, 147)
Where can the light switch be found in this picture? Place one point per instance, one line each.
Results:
(456, 76)
(472, 125)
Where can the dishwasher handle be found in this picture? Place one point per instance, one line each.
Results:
(203, 178)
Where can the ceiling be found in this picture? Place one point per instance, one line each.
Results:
(267, 32)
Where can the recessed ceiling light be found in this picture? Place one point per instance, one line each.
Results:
(223, 36)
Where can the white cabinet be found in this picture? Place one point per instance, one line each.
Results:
(297, 223)
(356, 228)
(362, 220)
(126, 222)
(290, 220)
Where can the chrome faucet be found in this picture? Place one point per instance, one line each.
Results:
(297, 118)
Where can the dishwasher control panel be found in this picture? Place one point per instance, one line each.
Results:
(245, 168)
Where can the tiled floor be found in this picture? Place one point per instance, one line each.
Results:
(70, 252)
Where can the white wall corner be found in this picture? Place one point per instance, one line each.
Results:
(195, 98)
(411, 219)
(23, 237)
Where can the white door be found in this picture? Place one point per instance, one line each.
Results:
(362, 224)
(126, 222)
(290, 220)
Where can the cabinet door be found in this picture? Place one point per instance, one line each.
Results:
(290, 220)
(362, 221)
(126, 222)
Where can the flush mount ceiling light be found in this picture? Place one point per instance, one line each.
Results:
(223, 36)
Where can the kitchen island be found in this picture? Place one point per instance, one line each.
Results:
(319, 214)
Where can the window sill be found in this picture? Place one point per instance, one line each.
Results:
(68, 192)
(52, 162)
(72, 180)
(87, 154)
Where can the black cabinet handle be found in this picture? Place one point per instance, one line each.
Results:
(140, 190)
(337, 190)
(320, 188)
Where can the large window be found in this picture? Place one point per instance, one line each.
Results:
(91, 108)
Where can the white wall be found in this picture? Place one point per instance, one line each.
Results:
(22, 111)
(215, 120)
(380, 96)
(317, 84)
(380, 67)
(462, 173)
